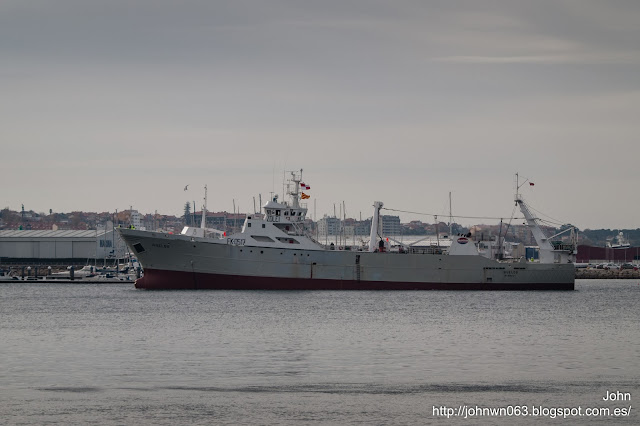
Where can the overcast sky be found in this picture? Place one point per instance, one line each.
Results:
(109, 104)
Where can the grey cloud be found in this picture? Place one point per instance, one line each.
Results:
(336, 87)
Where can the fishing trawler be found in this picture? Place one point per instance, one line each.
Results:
(273, 251)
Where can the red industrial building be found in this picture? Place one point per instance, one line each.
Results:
(589, 254)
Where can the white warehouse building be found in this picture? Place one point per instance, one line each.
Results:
(52, 245)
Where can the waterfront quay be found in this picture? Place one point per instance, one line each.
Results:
(603, 274)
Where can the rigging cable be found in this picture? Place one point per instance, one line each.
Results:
(552, 221)
(457, 216)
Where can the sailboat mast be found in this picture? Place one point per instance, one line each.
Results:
(344, 219)
(334, 215)
(450, 217)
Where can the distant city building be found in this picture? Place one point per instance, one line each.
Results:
(136, 219)
(391, 225)
(223, 221)
(362, 227)
(329, 226)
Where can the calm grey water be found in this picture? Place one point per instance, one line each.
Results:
(110, 354)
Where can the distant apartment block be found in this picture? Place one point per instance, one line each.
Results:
(136, 219)
(391, 225)
(329, 226)
(350, 227)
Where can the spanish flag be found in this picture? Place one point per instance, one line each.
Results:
(305, 196)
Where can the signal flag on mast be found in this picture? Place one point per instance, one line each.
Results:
(305, 196)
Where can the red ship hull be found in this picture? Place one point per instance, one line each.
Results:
(155, 279)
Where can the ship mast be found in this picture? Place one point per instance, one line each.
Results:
(295, 193)
(203, 224)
